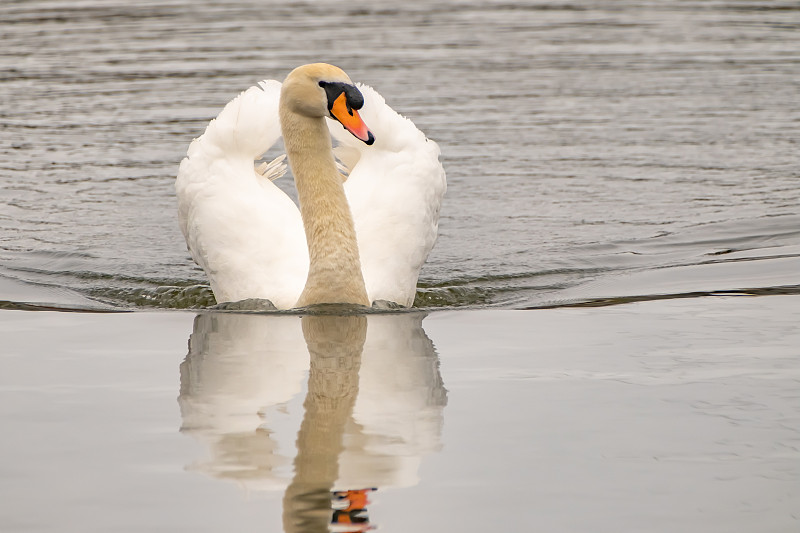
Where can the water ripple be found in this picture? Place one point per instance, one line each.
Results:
(580, 141)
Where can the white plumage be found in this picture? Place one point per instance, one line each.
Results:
(248, 235)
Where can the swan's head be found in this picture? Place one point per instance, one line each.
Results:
(322, 90)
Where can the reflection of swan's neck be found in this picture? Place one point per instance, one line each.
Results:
(334, 274)
(334, 344)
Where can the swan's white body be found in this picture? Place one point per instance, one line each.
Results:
(248, 235)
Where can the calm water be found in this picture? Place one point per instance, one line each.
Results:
(680, 415)
(580, 142)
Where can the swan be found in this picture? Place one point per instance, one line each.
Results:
(357, 237)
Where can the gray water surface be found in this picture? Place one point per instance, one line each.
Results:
(664, 416)
(581, 141)
(626, 172)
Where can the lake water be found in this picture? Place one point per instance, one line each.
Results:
(579, 142)
(678, 415)
(611, 339)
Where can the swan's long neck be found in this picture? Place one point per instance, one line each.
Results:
(334, 274)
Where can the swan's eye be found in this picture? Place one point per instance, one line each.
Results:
(334, 89)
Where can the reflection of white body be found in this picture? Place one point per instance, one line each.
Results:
(248, 235)
(239, 366)
(398, 412)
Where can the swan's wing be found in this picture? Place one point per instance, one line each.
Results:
(239, 227)
(274, 169)
(395, 190)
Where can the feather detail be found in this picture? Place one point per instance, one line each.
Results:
(274, 169)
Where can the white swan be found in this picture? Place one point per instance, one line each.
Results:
(249, 236)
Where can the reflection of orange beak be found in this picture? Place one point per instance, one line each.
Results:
(351, 120)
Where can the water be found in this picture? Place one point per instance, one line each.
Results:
(653, 416)
(607, 338)
(580, 142)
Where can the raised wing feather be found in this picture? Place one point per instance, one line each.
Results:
(244, 231)
(395, 190)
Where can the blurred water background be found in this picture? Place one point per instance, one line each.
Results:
(586, 143)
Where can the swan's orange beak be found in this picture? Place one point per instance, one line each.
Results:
(350, 119)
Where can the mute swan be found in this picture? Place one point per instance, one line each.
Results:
(367, 238)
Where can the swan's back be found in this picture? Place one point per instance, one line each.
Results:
(244, 231)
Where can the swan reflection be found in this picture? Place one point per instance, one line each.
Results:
(372, 410)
